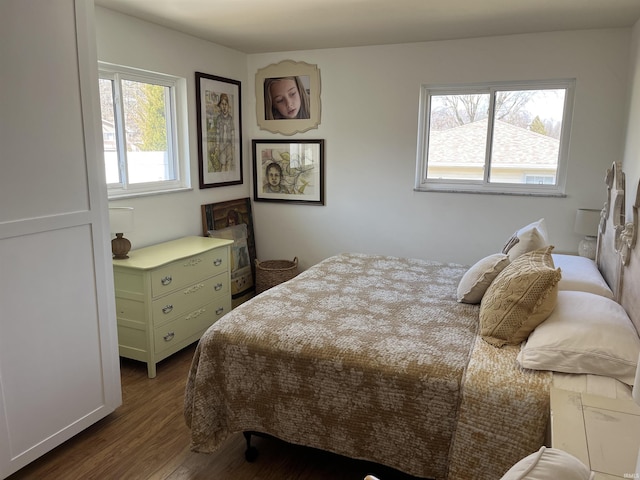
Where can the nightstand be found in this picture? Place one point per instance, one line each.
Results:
(168, 294)
(604, 433)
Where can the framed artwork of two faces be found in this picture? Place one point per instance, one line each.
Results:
(288, 97)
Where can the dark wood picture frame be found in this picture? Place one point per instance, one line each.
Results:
(289, 171)
(219, 220)
(219, 115)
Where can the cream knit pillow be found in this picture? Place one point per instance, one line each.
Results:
(521, 297)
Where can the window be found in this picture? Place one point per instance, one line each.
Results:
(495, 138)
(143, 149)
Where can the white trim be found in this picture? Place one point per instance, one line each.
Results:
(423, 184)
(177, 134)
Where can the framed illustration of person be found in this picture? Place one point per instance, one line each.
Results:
(233, 220)
(218, 106)
(288, 171)
(288, 97)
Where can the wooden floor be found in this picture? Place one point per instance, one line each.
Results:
(146, 438)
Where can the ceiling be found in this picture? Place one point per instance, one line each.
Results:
(257, 26)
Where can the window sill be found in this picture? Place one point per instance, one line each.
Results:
(492, 192)
(120, 196)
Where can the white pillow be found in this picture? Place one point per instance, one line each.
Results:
(530, 237)
(581, 274)
(549, 464)
(477, 279)
(586, 333)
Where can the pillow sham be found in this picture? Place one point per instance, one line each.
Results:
(522, 296)
(530, 237)
(586, 333)
(581, 274)
(476, 280)
(549, 464)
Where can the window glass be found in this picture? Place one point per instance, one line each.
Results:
(145, 114)
(453, 117)
(139, 118)
(109, 131)
(526, 136)
(502, 138)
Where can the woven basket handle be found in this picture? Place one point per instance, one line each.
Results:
(295, 261)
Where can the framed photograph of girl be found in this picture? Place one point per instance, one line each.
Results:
(288, 97)
(288, 171)
(218, 106)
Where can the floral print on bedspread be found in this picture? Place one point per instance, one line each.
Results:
(359, 355)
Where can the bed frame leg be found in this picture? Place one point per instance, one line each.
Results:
(251, 453)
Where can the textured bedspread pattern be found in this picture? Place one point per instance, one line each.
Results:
(363, 356)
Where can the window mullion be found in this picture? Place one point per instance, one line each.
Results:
(120, 129)
(490, 125)
(171, 133)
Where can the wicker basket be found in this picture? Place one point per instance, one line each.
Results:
(273, 272)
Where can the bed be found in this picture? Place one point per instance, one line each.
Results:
(413, 364)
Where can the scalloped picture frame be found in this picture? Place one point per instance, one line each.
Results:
(309, 76)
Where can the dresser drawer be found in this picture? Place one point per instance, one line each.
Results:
(188, 270)
(185, 326)
(165, 309)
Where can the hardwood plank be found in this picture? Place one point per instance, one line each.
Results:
(147, 439)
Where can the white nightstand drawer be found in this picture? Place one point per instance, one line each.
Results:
(193, 323)
(188, 270)
(165, 309)
(603, 433)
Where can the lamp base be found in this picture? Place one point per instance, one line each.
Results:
(120, 246)
(587, 247)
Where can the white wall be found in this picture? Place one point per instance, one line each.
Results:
(631, 162)
(369, 122)
(128, 41)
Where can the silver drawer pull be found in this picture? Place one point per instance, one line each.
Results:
(218, 287)
(166, 280)
(219, 311)
(169, 336)
(167, 308)
(217, 262)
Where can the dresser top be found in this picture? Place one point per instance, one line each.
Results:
(162, 253)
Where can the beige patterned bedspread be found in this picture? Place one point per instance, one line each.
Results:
(369, 357)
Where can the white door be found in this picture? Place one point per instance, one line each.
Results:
(59, 369)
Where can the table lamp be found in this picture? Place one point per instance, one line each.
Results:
(587, 222)
(121, 220)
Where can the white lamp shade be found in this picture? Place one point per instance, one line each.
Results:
(587, 221)
(121, 219)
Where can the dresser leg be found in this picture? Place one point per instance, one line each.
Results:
(151, 369)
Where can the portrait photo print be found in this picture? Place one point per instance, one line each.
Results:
(288, 97)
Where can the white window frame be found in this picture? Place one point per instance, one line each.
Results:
(424, 184)
(177, 138)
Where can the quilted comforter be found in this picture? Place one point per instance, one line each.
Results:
(369, 357)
